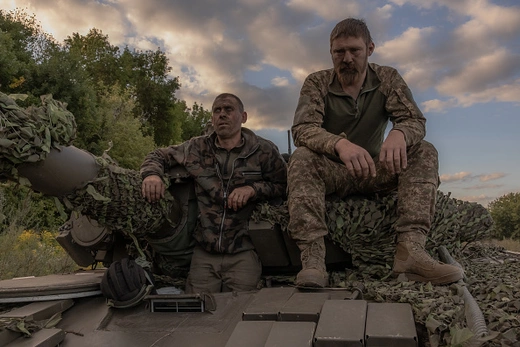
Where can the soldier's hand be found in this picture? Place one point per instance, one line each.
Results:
(153, 188)
(393, 152)
(240, 196)
(358, 161)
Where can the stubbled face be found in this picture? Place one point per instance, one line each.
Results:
(350, 58)
(226, 117)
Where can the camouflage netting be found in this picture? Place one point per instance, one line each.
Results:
(115, 200)
(491, 278)
(27, 135)
(364, 227)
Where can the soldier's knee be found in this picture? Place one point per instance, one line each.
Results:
(302, 155)
(424, 151)
(428, 148)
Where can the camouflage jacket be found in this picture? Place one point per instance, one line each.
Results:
(259, 165)
(385, 96)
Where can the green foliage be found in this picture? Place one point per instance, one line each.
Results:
(20, 206)
(81, 71)
(195, 120)
(505, 211)
(29, 253)
(155, 93)
(121, 131)
(21, 43)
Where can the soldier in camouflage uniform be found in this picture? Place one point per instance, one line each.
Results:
(233, 169)
(339, 128)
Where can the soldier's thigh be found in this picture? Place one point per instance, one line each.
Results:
(204, 275)
(242, 271)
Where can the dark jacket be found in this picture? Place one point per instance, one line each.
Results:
(259, 165)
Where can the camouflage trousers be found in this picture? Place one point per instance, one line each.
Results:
(312, 176)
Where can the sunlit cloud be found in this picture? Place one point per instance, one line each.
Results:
(459, 176)
(334, 10)
(483, 186)
(481, 199)
(280, 81)
(491, 177)
(385, 11)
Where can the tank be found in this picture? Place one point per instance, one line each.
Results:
(357, 309)
(69, 309)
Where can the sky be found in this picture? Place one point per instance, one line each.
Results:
(460, 58)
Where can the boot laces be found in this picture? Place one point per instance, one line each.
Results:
(421, 255)
(313, 255)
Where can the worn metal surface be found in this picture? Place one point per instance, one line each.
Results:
(20, 289)
(277, 316)
(43, 338)
(342, 323)
(62, 172)
(390, 324)
(303, 307)
(267, 303)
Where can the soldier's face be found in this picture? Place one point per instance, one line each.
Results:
(227, 118)
(350, 58)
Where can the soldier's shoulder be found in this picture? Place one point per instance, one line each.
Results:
(384, 71)
(321, 75)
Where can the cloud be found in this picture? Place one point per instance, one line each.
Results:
(468, 176)
(58, 17)
(483, 186)
(459, 176)
(478, 61)
(385, 11)
(491, 177)
(481, 199)
(280, 81)
(334, 10)
(481, 74)
(470, 57)
(437, 105)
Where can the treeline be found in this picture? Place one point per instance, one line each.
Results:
(121, 98)
(505, 212)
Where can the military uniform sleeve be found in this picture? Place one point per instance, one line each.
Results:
(308, 119)
(405, 115)
(161, 160)
(274, 174)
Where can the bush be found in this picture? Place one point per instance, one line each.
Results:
(29, 253)
(505, 211)
(27, 248)
(22, 207)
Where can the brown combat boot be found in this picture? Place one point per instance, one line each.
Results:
(412, 260)
(313, 273)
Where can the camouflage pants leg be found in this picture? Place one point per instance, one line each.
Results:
(312, 176)
(417, 190)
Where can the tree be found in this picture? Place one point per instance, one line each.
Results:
(84, 69)
(155, 94)
(121, 131)
(505, 211)
(194, 119)
(22, 43)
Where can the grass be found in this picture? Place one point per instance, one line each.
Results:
(28, 253)
(509, 244)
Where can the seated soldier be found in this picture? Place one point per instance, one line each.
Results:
(232, 169)
(339, 128)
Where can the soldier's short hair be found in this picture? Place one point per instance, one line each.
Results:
(351, 27)
(229, 95)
